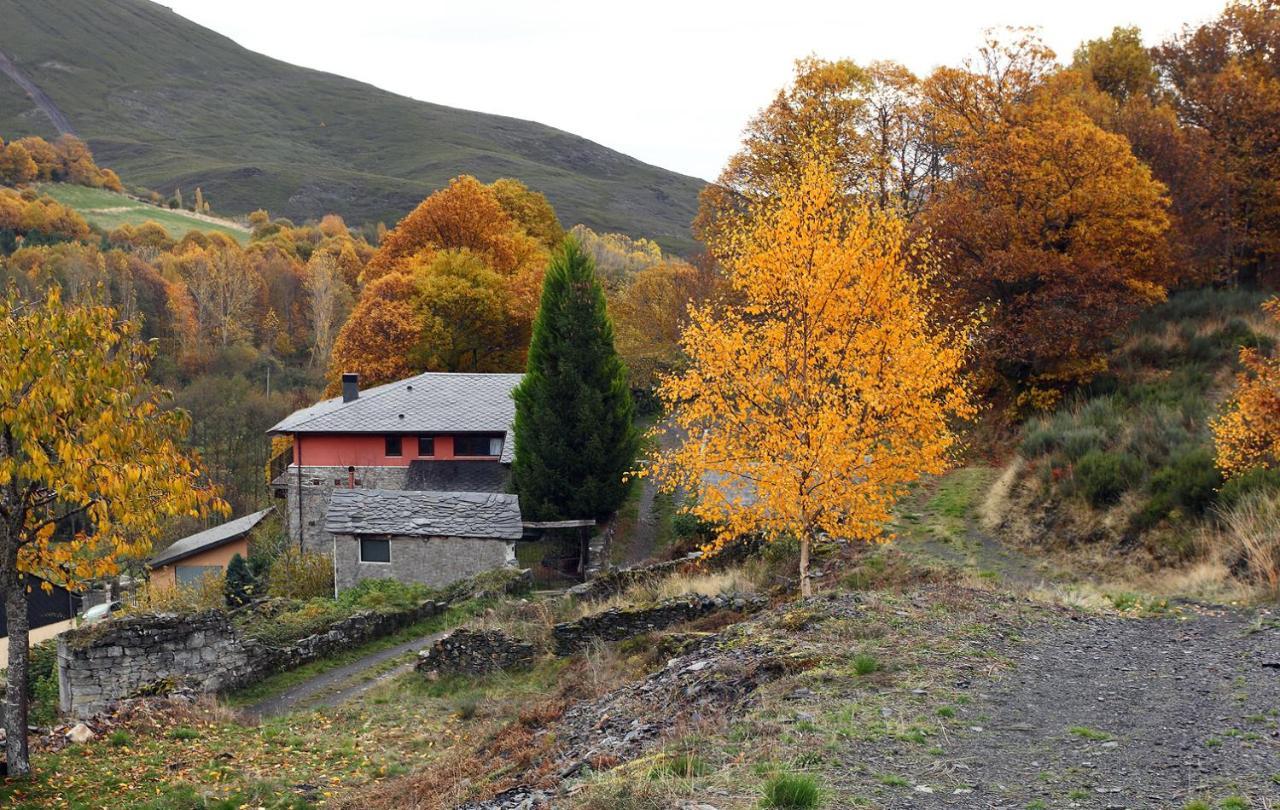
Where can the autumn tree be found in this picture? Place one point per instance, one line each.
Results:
(573, 429)
(16, 165)
(465, 319)
(616, 256)
(224, 286)
(865, 121)
(1044, 215)
(91, 465)
(809, 404)
(1247, 433)
(651, 312)
(1224, 79)
(328, 302)
(377, 341)
(1120, 89)
(530, 210)
(467, 275)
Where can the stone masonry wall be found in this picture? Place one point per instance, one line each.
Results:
(318, 484)
(154, 654)
(617, 624)
(433, 561)
(475, 652)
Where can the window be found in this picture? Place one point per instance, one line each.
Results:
(393, 445)
(375, 550)
(477, 444)
(426, 445)
(191, 575)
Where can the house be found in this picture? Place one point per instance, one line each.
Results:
(430, 537)
(188, 560)
(426, 455)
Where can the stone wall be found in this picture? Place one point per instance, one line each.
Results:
(615, 581)
(317, 485)
(155, 654)
(617, 624)
(433, 561)
(475, 652)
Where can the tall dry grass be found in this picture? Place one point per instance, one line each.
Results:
(1250, 533)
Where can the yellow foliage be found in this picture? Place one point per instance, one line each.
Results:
(827, 386)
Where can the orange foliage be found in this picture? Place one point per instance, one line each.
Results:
(1247, 434)
(1045, 216)
(383, 329)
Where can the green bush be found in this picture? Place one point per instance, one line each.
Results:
(1188, 484)
(1079, 442)
(238, 586)
(1037, 440)
(1238, 487)
(383, 595)
(791, 790)
(1101, 477)
(300, 575)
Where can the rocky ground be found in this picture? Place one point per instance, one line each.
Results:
(1105, 713)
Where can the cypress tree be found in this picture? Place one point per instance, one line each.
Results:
(574, 434)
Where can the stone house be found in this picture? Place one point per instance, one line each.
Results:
(430, 537)
(404, 447)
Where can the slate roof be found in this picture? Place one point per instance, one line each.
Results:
(209, 538)
(435, 402)
(424, 514)
(458, 476)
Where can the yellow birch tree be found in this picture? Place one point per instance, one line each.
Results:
(823, 384)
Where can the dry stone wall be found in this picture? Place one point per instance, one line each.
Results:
(617, 624)
(476, 652)
(156, 654)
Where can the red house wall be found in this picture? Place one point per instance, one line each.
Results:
(363, 450)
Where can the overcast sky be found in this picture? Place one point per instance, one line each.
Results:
(671, 82)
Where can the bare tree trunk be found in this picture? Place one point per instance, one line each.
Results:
(15, 709)
(806, 587)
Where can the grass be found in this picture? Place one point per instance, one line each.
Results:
(1090, 733)
(789, 791)
(192, 108)
(283, 681)
(109, 211)
(864, 664)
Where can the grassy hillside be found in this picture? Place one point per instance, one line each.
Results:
(1128, 464)
(168, 103)
(109, 210)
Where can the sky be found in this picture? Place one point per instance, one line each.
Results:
(671, 82)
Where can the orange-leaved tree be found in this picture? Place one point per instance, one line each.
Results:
(1044, 213)
(1247, 433)
(823, 384)
(91, 464)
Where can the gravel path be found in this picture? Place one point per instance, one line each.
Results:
(1109, 713)
(342, 683)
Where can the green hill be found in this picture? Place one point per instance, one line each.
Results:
(109, 210)
(168, 103)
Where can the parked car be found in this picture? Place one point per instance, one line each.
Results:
(99, 612)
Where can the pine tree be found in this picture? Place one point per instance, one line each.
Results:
(574, 435)
(238, 587)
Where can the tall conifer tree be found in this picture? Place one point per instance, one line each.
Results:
(574, 435)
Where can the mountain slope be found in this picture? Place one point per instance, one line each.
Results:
(168, 103)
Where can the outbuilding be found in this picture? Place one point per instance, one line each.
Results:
(190, 559)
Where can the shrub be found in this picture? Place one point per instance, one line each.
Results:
(1079, 442)
(790, 790)
(300, 575)
(206, 594)
(865, 664)
(1102, 477)
(1189, 484)
(383, 595)
(1254, 480)
(238, 585)
(1037, 440)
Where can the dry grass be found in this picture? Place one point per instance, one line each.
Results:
(1251, 534)
(998, 499)
(207, 594)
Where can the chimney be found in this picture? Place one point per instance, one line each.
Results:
(350, 387)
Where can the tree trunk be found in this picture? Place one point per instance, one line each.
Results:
(806, 588)
(15, 709)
